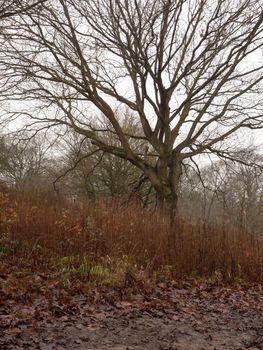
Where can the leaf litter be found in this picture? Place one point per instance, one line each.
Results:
(36, 312)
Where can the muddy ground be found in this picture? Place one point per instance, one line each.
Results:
(168, 318)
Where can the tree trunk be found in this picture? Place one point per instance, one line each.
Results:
(167, 203)
(169, 173)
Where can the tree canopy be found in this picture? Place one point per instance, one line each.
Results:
(190, 71)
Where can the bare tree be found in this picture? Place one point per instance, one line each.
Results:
(10, 8)
(228, 193)
(88, 172)
(238, 190)
(22, 165)
(188, 70)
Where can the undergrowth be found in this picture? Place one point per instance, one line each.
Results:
(107, 242)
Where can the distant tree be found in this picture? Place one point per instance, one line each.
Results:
(228, 192)
(91, 173)
(240, 192)
(22, 165)
(188, 70)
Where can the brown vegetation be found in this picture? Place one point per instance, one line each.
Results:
(44, 233)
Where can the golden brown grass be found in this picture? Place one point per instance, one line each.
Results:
(35, 230)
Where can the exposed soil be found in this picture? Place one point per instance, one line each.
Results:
(204, 317)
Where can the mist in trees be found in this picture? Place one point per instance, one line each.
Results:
(226, 193)
(91, 173)
(188, 72)
(23, 165)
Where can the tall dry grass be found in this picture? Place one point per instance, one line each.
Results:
(36, 229)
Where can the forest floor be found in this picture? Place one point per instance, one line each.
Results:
(36, 313)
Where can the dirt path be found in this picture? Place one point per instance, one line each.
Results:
(168, 319)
